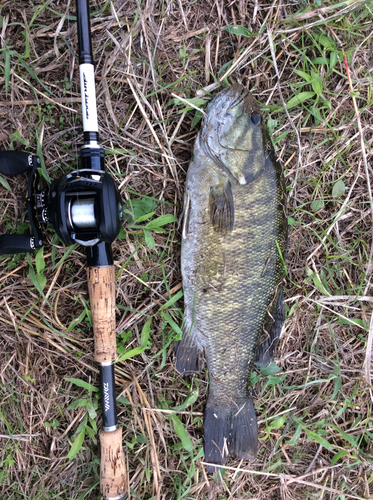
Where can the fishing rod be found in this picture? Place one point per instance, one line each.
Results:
(83, 207)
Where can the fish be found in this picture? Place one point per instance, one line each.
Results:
(234, 238)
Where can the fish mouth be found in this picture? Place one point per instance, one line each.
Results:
(238, 94)
(229, 105)
(229, 99)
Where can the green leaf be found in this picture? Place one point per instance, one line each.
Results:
(142, 206)
(122, 234)
(192, 398)
(326, 42)
(317, 205)
(197, 101)
(277, 422)
(77, 445)
(304, 75)
(35, 279)
(275, 380)
(352, 321)
(16, 137)
(239, 30)
(145, 334)
(4, 183)
(172, 301)
(316, 437)
(182, 433)
(42, 280)
(160, 221)
(91, 433)
(295, 436)
(299, 99)
(130, 354)
(91, 412)
(76, 321)
(333, 59)
(352, 440)
(280, 137)
(316, 113)
(39, 260)
(53, 424)
(271, 369)
(196, 119)
(339, 189)
(318, 284)
(78, 403)
(82, 384)
(167, 317)
(326, 104)
(149, 240)
(123, 401)
(316, 83)
(320, 60)
(291, 221)
(34, 75)
(338, 456)
(271, 124)
(145, 217)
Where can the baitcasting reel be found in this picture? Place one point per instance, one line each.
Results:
(84, 206)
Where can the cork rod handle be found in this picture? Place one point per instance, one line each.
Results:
(101, 287)
(113, 477)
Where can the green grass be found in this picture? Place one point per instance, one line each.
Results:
(314, 405)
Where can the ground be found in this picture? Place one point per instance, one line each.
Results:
(158, 63)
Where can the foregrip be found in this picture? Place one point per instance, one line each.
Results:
(101, 286)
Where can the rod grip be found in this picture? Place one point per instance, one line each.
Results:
(101, 287)
(113, 475)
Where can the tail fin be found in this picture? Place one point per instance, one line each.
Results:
(230, 430)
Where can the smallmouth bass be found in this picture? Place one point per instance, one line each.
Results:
(233, 243)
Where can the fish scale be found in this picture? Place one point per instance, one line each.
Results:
(234, 233)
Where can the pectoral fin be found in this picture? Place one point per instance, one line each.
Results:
(222, 208)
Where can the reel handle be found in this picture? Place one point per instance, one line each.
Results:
(101, 287)
(16, 243)
(15, 162)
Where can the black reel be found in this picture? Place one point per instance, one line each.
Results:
(84, 206)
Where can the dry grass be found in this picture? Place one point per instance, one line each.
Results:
(315, 414)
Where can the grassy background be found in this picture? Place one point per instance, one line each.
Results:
(310, 66)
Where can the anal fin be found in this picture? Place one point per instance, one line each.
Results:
(189, 356)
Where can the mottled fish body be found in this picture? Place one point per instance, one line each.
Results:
(233, 242)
